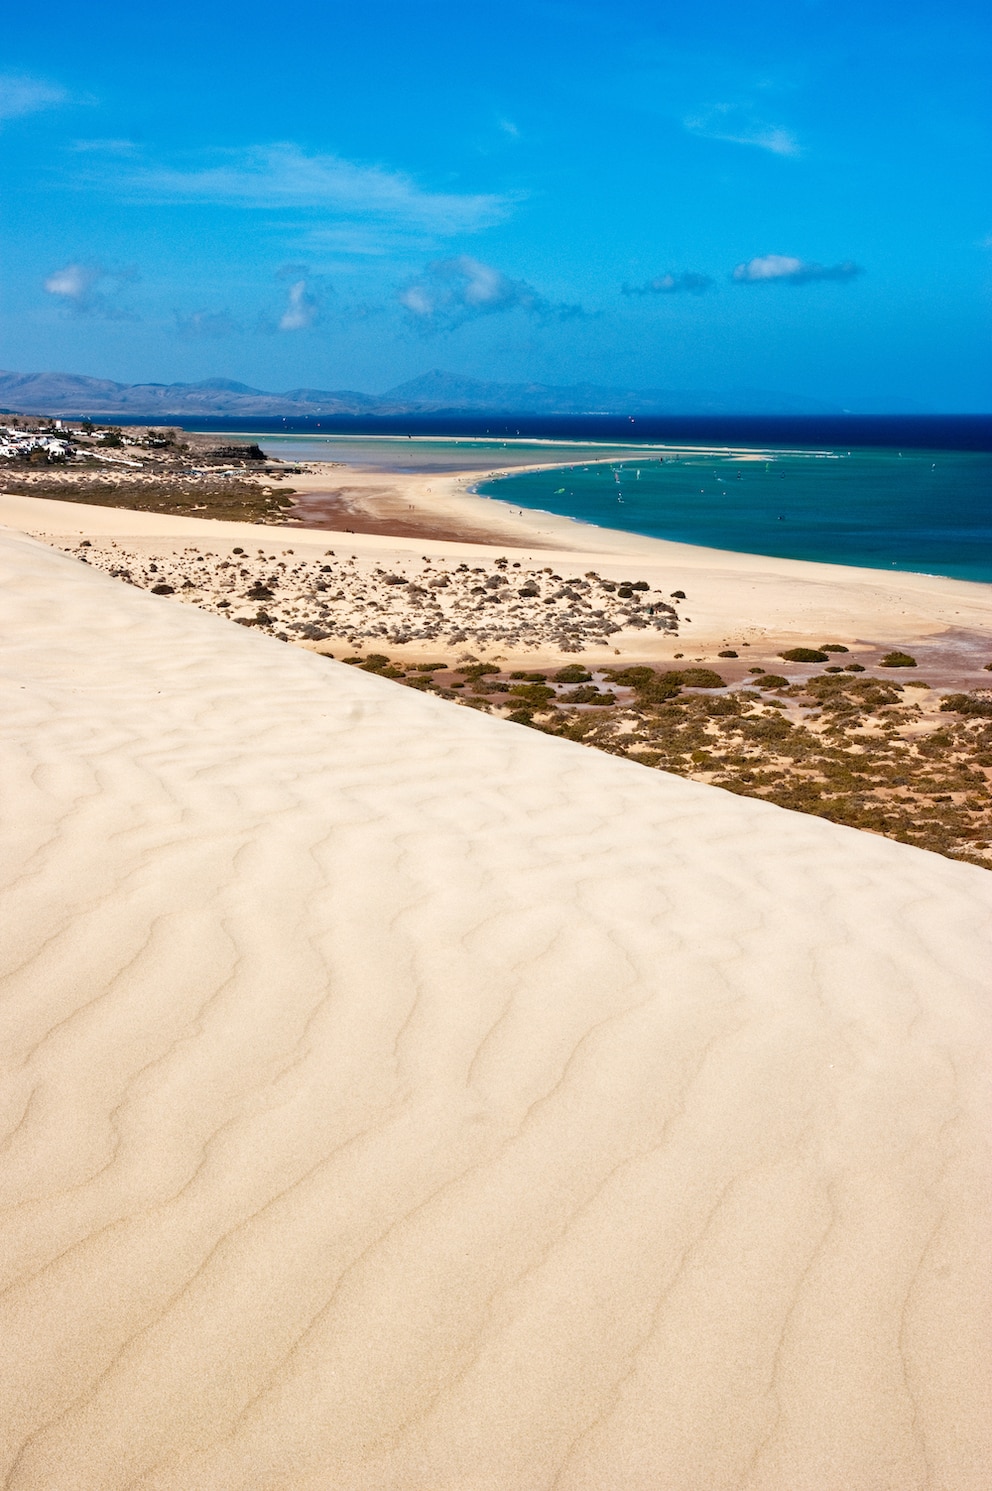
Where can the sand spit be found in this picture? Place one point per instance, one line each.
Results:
(400, 1100)
(733, 599)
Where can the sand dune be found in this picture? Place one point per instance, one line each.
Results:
(398, 1100)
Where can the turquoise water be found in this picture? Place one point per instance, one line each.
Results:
(927, 511)
(431, 453)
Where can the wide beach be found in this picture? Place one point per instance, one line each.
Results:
(400, 1098)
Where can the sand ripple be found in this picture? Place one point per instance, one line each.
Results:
(393, 1098)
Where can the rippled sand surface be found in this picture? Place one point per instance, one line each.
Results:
(395, 1099)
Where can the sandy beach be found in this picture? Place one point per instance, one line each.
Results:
(731, 598)
(400, 1099)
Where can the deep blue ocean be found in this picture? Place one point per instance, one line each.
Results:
(897, 492)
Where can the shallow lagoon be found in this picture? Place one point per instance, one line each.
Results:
(919, 510)
(926, 511)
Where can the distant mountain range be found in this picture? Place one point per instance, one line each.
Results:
(70, 394)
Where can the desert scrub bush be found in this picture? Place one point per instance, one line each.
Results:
(832, 690)
(577, 726)
(727, 652)
(979, 703)
(650, 687)
(804, 655)
(474, 671)
(833, 647)
(771, 681)
(589, 696)
(573, 673)
(766, 729)
(695, 678)
(726, 706)
(532, 693)
(897, 660)
(935, 745)
(632, 678)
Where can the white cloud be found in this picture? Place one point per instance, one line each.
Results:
(21, 95)
(91, 289)
(283, 176)
(453, 291)
(736, 124)
(671, 284)
(785, 269)
(301, 308)
(74, 282)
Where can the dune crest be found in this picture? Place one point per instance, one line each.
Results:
(396, 1099)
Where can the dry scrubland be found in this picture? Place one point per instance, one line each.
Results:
(154, 470)
(862, 743)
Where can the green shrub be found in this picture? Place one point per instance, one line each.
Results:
(695, 678)
(727, 652)
(804, 655)
(534, 693)
(722, 706)
(573, 673)
(833, 647)
(588, 696)
(853, 668)
(966, 704)
(768, 728)
(897, 660)
(632, 678)
(477, 670)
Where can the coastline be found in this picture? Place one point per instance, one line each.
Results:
(750, 597)
(741, 599)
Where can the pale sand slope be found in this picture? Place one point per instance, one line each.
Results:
(400, 1099)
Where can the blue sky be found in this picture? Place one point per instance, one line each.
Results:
(788, 196)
